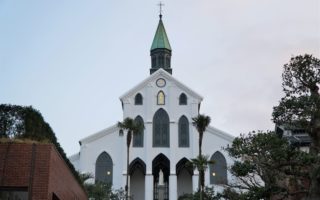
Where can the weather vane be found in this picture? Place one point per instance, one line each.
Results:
(160, 6)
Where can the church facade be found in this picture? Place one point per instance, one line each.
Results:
(159, 153)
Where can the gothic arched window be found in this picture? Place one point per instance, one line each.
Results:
(138, 99)
(218, 170)
(154, 61)
(104, 168)
(161, 129)
(138, 138)
(183, 132)
(161, 98)
(183, 99)
(167, 61)
(161, 61)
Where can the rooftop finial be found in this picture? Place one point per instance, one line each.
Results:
(160, 6)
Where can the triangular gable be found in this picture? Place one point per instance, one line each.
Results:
(220, 133)
(152, 77)
(99, 134)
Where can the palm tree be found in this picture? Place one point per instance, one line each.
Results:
(201, 164)
(132, 127)
(201, 122)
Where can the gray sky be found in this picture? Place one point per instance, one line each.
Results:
(73, 59)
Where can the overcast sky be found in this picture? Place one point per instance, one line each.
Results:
(72, 59)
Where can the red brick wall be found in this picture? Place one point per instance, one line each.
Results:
(64, 188)
(46, 174)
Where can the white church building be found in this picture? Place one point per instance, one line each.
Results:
(166, 106)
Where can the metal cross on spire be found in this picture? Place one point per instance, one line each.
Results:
(160, 6)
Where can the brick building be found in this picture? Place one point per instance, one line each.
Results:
(36, 171)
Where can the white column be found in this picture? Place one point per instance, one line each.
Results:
(148, 195)
(195, 181)
(173, 190)
(124, 179)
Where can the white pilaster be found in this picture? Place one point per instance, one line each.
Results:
(173, 186)
(148, 186)
(195, 181)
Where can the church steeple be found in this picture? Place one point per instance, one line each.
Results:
(160, 50)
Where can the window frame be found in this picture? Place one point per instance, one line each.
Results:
(183, 134)
(161, 129)
(138, 141)
(138, 99)
(183, 99)
(158, 98)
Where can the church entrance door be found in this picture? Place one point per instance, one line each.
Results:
(184, 177)
(137, 171)
(161, 172)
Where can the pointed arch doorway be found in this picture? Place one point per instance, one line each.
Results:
(137, 172)
(184, 177)
(161, 172)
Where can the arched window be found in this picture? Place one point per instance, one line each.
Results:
(154, 61)
(218, 170)
(138, 138)
(183, 99)
(161, 61)
(161, 129)
(104, 168)
(183, 132)
(138, 99)
(160, 98)
(167, 61)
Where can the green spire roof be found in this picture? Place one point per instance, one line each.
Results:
(160, 40)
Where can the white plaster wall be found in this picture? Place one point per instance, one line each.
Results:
(174, 110)
(211, 144)
(75, 160)
(111, 143)
(115, 146)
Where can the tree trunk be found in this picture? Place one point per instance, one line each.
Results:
(201, 172)
(201, 184)
(200, 143)
(314, 190)
(129, 136)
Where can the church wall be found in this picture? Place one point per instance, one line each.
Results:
(211, 144)
(112, 144)
(115, 146)
(174, 110)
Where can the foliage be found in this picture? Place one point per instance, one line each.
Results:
(201, 122)
(201, 164)
(103, 191)
(24, 122)
(208, 194)
(300, 107)
(100, 190)
(132, 127)
(267, 167)
(301, 103)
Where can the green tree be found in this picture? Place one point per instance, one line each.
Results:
(24, 122)
(99, 191)
(132, 127)
(208, 194)
(300, 107)
(267, 167)
(201, 122)
(201, 164)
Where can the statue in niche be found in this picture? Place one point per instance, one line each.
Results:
(161, 180)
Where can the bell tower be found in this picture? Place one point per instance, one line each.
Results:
(160, 50)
